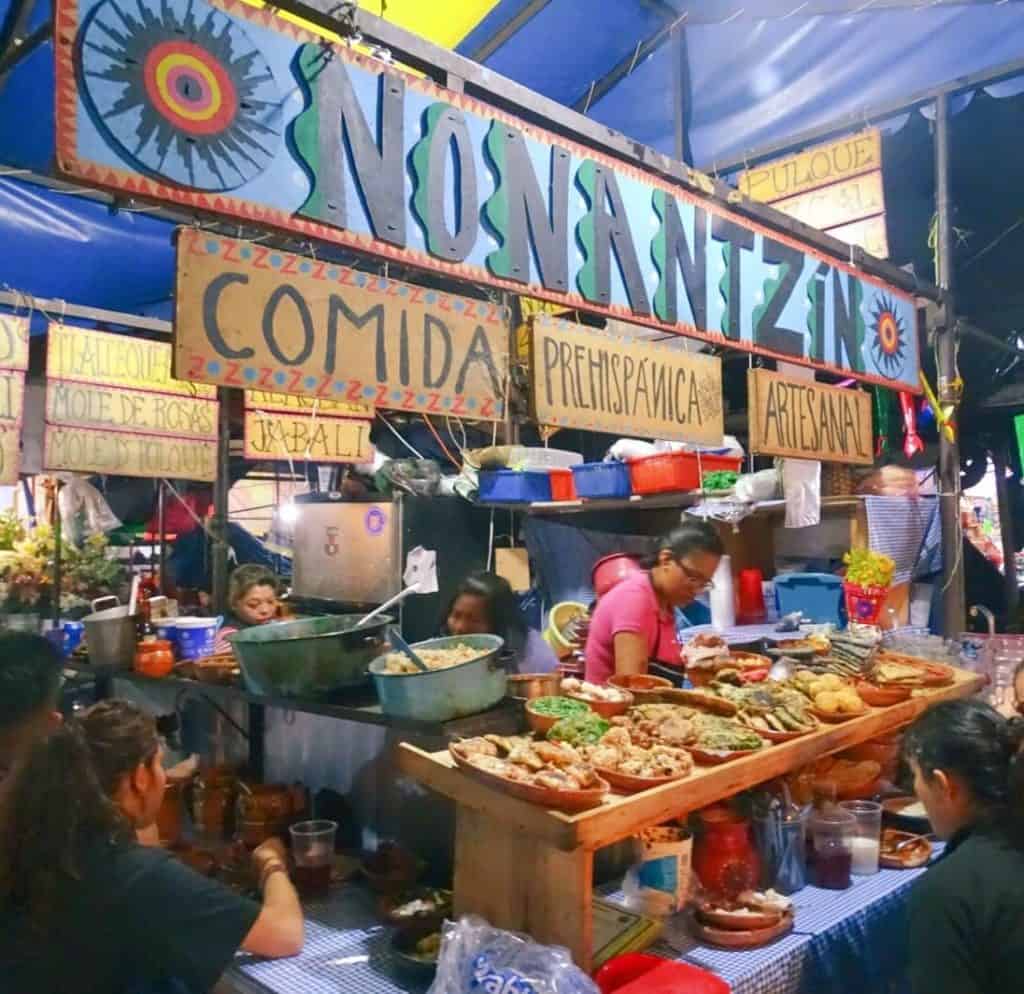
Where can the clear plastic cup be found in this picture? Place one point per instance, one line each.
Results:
(313, 855)
(866, 837)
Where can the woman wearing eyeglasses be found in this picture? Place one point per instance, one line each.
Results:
(635, 621)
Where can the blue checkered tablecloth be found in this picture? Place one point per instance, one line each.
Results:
(842, 942)
(347, 950)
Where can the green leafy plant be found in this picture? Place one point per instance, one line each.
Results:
(869, 569)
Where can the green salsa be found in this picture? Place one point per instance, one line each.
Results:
(580, 729)
(558, 707)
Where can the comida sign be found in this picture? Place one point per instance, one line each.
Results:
(232, 110)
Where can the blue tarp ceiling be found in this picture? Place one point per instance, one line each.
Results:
(753, 76)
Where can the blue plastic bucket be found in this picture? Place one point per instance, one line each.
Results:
(68, 637)
(167, 629)
(197, 637)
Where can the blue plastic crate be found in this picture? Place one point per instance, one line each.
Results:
(602, 480)
(506, 486)
(818, 595)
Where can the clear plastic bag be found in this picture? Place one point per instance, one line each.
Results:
(478, 959)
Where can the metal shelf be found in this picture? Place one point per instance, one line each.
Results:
(358, 704)
(656, 502)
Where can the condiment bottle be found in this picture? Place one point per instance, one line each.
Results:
(146, 630)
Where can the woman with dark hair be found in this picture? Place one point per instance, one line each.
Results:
(967, 911)
(635, 621)
(85, 909)
(485, 604)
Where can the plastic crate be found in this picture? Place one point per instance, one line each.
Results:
(602, 480)
(818, 595)
(674, 471)
(506, 486)
(530, 457)
(562, 485)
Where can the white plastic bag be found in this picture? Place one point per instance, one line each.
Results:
(478, 959)
(84, 511)
(801, 481)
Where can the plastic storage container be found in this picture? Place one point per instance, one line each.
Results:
(537, 457)
(562, 486)
(818, 595)
(671, 471)
(506, 486)
(602, 480)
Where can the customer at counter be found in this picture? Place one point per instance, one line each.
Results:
(30, 677)
(635, 621)
(253, 599)
(967, 911)
(85, 909)
(485, 604)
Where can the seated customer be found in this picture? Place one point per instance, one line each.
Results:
(84, 909)
(484, 604)
(967, 911)
(30, 676)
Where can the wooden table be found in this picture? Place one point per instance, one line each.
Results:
(529, 869)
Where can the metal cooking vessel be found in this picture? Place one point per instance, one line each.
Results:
(440, 695)
(308, 658)
(111, 634)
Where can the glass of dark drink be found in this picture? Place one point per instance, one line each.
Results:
(313, 855)
(832, 832)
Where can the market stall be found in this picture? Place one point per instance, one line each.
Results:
(389, 252)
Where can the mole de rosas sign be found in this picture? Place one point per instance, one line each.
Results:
(232, 110)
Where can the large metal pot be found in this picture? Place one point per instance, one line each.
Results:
(440, 695)
(308, 658)
(111, 634)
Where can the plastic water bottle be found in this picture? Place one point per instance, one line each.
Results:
(723, 597)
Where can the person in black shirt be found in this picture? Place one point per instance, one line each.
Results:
(967, 911)
(85, 909)
(30, 673)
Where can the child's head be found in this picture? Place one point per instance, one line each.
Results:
(253, 595)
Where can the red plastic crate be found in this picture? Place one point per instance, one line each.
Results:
(562, 485)
(672, 471)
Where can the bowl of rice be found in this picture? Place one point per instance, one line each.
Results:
(464, 676)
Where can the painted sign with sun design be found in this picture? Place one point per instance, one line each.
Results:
(229, 110)
(889, 338)
(181, 91)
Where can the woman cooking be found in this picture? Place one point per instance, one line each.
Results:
(635, 621)
(252, 599)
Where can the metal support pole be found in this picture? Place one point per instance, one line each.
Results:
(161, 523)
(221, 486)
(953, 597)
(678, 78)
(1007, 532)
(58, 540)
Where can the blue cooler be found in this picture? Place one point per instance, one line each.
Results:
(819, 596)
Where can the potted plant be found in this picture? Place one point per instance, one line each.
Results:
(866, 584)
(26, 580)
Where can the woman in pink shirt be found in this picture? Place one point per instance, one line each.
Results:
(635, 621)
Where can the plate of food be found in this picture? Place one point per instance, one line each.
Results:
(643, 686)
(897, 667)
(667, 724)
(607, 701)
(907, 812)
(882, 696)
(904, 850)
(794, 649)
(832, 698)
(754, 919)
(702, 700)
(632, 768)
(751, 910)
(543, 713)
(720, 740)
(416, 907)
(551, 774)
(416, 949)
(774, 710)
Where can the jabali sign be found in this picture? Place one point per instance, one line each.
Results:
(232, 110)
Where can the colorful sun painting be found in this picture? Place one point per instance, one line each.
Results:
(181, 89)
(889, 347)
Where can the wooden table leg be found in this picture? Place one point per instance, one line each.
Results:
(524, 884)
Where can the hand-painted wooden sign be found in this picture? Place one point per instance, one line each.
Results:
(276, 435)
(582, 378)
(836, 187)
(267, 400)
(230, 109)
(808, 420)
(112, 406)
(249, 317)
(14, 338)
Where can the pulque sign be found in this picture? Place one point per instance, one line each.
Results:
(235, 111)
(13, 364)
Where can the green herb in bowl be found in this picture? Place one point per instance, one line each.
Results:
(580, 729)
(720, 479)
(558, 707)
